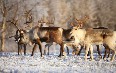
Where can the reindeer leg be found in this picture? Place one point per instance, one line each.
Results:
(61, 49)
(113, 55)
(25, 49)
(80, 50)
(86, 51)
(108, 53)
(18, 48)
(67, 50)
(45, 50)
(34, 49)
(91, 51)
(40, 46)
(73, 52)
(105, 53)
(48, 48)
(98, 50)
(77, 51)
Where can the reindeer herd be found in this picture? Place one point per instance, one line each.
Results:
(75, 37)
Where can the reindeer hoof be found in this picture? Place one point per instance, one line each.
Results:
(31, 54)
(91, 59)
(42, 57)
(60, 55)
(48, 54)
(100, 57)
(104, 59)
(64, 54)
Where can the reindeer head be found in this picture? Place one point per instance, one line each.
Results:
(40, 24)
(78, 34)
(81, 22)
(50, 21)
(46, 23)
(23, 36)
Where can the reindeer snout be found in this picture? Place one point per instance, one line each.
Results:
(72, 37)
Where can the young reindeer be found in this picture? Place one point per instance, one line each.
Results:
(94, 36)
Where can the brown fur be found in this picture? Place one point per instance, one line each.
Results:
(20, 44)
(94, 36)
(45, 34)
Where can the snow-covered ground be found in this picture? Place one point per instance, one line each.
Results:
(10, 62)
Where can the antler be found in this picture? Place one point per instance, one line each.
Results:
(28, 16)
(85, 18)
(67, 19)
(72, 24)
(40, 23)
(82, 21)
(51, 20)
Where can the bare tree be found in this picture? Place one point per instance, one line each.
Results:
(4, 11)
(5, 8)
(28, 14)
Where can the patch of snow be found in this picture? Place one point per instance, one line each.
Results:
(11, 62)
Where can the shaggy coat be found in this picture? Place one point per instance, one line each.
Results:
(94, 36)
(43, 34)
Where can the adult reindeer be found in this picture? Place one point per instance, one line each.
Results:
(17, 37)
(14, 20)
(48, 23)
(80, 24)
(43, 34)
(95, 36)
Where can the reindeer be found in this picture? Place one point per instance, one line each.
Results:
(19, 42)
(94, 36)
(69, 42)
(43, 34)
(80, 23)
(48, 23)
(106, 52)
(17, 37)
(66, 33)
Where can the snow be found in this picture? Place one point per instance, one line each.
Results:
(10, 62)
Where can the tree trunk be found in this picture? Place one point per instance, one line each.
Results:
(3, 34)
